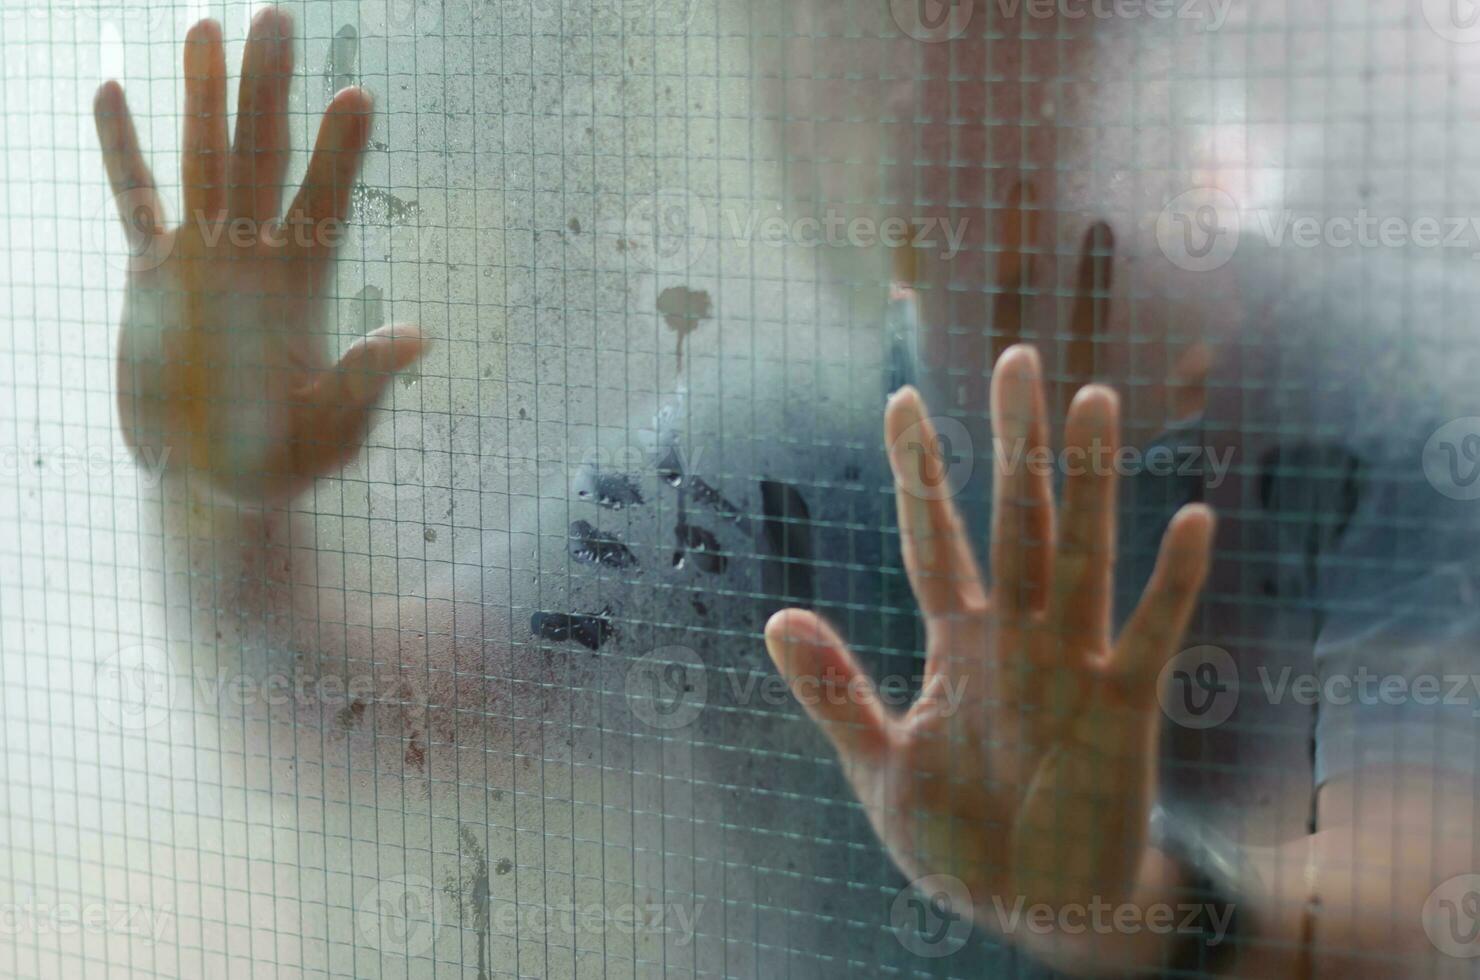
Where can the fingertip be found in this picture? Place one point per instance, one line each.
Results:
(350, 101)
(109, 98)
(349, 115)
(1017, 391)
(904, 409)
(204, 55)
(1020, 362)
(779, 629)
(1189, 540)
(386, 351)
(1206, 522)
(1018, 369)
(406, 345)
(207, 31)
(108, 112)
(775, 635)
(402, 331)
(273, 23)
(1199, 517)
(1095, 401)
(785, 630)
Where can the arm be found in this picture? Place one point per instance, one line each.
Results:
(1350, 901)
(225, 379)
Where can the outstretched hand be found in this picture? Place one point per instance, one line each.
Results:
(1026, 767)
(223, 363)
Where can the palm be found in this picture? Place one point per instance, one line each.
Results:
(1025, 769)
(224, 366)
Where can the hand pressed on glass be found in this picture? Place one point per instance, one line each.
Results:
(223, 366)
(1034, 780)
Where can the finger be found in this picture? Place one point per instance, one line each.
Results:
(1082, 567)
(331, 420)
(828, 682)
(937, 554)
(1151, 636)
(325, 195)
(259, 157)
(1022, 509)
(1015, 266)
(204, 156)
(133, 186)
(1091, 311)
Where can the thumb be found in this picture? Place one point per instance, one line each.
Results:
(367, 368)
(337, 408)
(828, 682)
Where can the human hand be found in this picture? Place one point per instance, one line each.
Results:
(223, 366)
(1026, 769)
